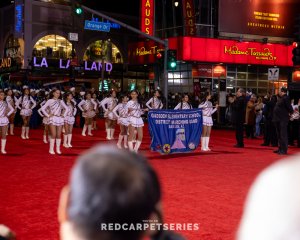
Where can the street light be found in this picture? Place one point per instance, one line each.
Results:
(176, 3)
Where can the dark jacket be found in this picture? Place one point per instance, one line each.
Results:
(282, 109)
(239, 110)
(268, 110)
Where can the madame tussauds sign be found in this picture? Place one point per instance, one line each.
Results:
(66, 63)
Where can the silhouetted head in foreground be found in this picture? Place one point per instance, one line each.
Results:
(108, 186)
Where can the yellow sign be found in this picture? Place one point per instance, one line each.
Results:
(266, 54)
(142, 51)
(5, 63)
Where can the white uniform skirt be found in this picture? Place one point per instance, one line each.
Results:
(26, 112)
(89, 114)
(123, 121)
(112, 116)
(136, 121)
(3, 121)
(70, 120)
(207, 121)
(45, 120)
(56, 121)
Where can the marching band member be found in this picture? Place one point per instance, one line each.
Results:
(155, 102)
(121, 112)
(207, 111)
(111, 120)
(184, 104)
(11, 100)
(94, 125)
(135, 121)
(69, 119)
(5, 111)
(45, 122)
(53, 109)
(88, 108)
(27, 104)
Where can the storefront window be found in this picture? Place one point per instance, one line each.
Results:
(53, 46)
(13, 49)
(103, 49)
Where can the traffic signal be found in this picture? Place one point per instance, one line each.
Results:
(296, 55)
(160, 56)
(78, 9)
(172, 59)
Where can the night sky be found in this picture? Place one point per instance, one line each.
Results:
(117, 6)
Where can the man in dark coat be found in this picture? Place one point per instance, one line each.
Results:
(281, 116)
(239, 108)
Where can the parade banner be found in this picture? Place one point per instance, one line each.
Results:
(175, 131)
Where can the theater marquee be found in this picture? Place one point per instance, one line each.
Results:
(258, 17)
(147, 16)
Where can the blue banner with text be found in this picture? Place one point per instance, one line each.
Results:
(175, 131)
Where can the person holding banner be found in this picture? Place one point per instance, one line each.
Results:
(184, 104)
(155, 102)
(135, 121)
(207, 111)
(121, 112)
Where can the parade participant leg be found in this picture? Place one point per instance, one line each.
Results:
(90, 120)
(55, 132)
(45, 133)
(3, 138)
(85, 126)
(139, 139)
(203, 138)
(112, 126)
(11, 123)
(123, 133)
(70, 127)
(25, 127)
(107, 127)
(66, 134)
(207, 138)
(131, 130)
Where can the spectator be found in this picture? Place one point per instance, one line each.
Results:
(270, 130)
(272, 210)
(282, 110)
(250, 117)
(238, 108)
(108, 185)
(258, 116)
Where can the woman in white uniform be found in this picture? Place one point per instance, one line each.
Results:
(108, 105)
(155, 102)
(121, 112)
(11, 100)
(53, 109)
(45, 121)
(184, 104)
(135, 121)
(207, 112)
(5, 111)
(26, 103)
(69, 118)
(88, 107)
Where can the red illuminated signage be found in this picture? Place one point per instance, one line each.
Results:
(189, 17)
(214, 51)
(229, 51)
(147, 16)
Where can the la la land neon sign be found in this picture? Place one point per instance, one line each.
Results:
(65, 64)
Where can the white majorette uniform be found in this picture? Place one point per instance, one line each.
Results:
(69, 113)
(183, 105)
(134, 115)
(111, 104)
(207, 111)
(53, 110)
(5, 111)
(122, 109)
(154, 103)
(27, 104)
(89, 106)
(11, 101)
